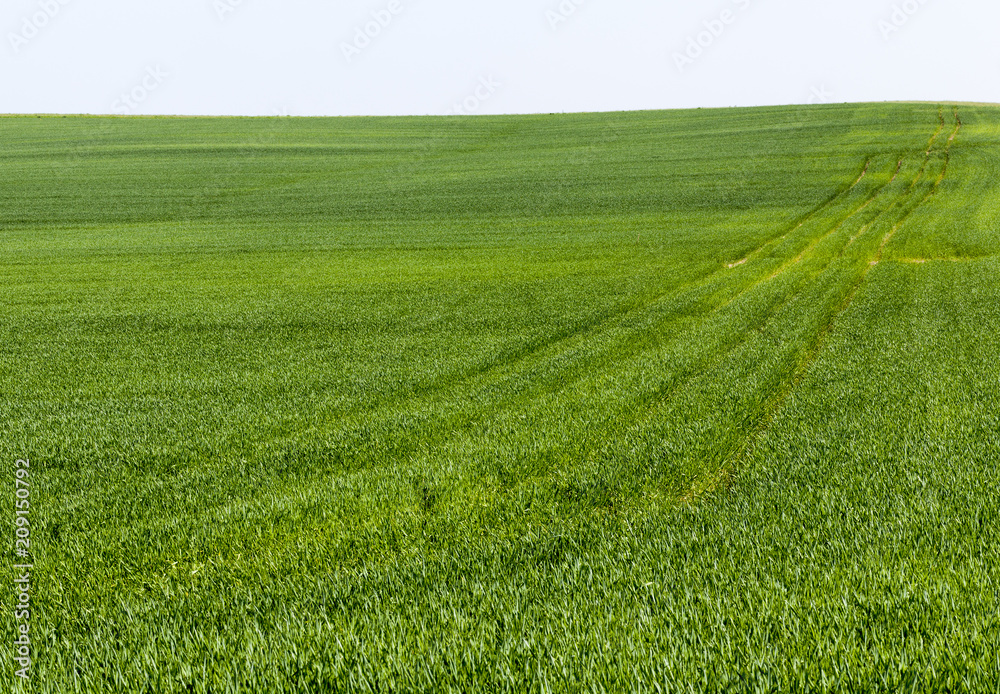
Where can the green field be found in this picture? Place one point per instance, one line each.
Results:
(691, 401)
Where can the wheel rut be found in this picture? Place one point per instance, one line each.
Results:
(743, 453)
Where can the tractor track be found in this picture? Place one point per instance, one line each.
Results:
(743, 453)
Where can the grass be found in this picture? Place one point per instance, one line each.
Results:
(694, 401)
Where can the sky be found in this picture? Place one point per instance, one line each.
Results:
(437, 57)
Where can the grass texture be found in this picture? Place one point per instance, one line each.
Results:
(694, 401)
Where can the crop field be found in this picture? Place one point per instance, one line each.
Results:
(679, 401)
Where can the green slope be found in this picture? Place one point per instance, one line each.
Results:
(702, 400)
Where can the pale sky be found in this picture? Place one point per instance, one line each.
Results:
(394, 57)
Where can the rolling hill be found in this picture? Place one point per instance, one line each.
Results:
(692, 401)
